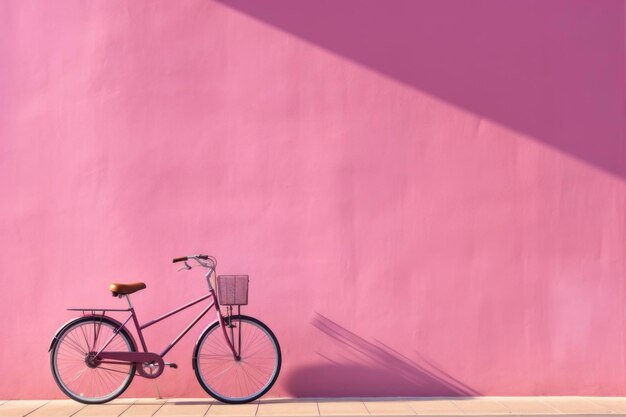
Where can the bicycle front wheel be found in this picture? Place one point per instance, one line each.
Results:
(231, 380)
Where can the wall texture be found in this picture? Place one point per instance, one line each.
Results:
(429, 196)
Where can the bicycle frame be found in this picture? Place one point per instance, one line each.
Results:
(149, 357)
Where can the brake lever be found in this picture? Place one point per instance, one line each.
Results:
(186, 267)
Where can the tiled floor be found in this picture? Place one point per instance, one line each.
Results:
(188, 407)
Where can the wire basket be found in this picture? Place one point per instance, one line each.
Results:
(232, 290)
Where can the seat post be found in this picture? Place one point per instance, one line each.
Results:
(130, 305)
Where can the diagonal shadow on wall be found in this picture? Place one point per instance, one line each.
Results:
(362, 368)
(554, 70)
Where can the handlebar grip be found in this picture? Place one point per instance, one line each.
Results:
(181, 259)
(203, 257)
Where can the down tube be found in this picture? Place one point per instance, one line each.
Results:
(184, 332)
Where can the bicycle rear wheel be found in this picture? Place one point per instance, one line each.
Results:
(76, 369)
(237, 381)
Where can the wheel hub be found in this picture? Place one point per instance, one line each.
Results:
(92, 361)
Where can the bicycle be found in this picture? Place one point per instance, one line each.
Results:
(95, 357)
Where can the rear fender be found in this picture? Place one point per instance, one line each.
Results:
(71, 322)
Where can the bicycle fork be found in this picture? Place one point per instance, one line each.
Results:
(230, 340)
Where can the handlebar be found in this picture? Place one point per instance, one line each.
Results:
(204, 261)
(186, 258)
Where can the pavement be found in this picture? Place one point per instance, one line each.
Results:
(283, 407)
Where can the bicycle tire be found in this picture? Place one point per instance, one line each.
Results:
(202, 371)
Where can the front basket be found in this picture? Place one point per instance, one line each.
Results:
(232, 290)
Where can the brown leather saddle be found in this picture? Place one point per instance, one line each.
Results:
(125, 289)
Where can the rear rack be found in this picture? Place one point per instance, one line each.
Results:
(93, 310)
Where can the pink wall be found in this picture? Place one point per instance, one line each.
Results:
(429, 196)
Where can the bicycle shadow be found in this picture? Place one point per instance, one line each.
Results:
(366, 369)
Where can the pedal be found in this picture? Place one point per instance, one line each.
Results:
(171, 365)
